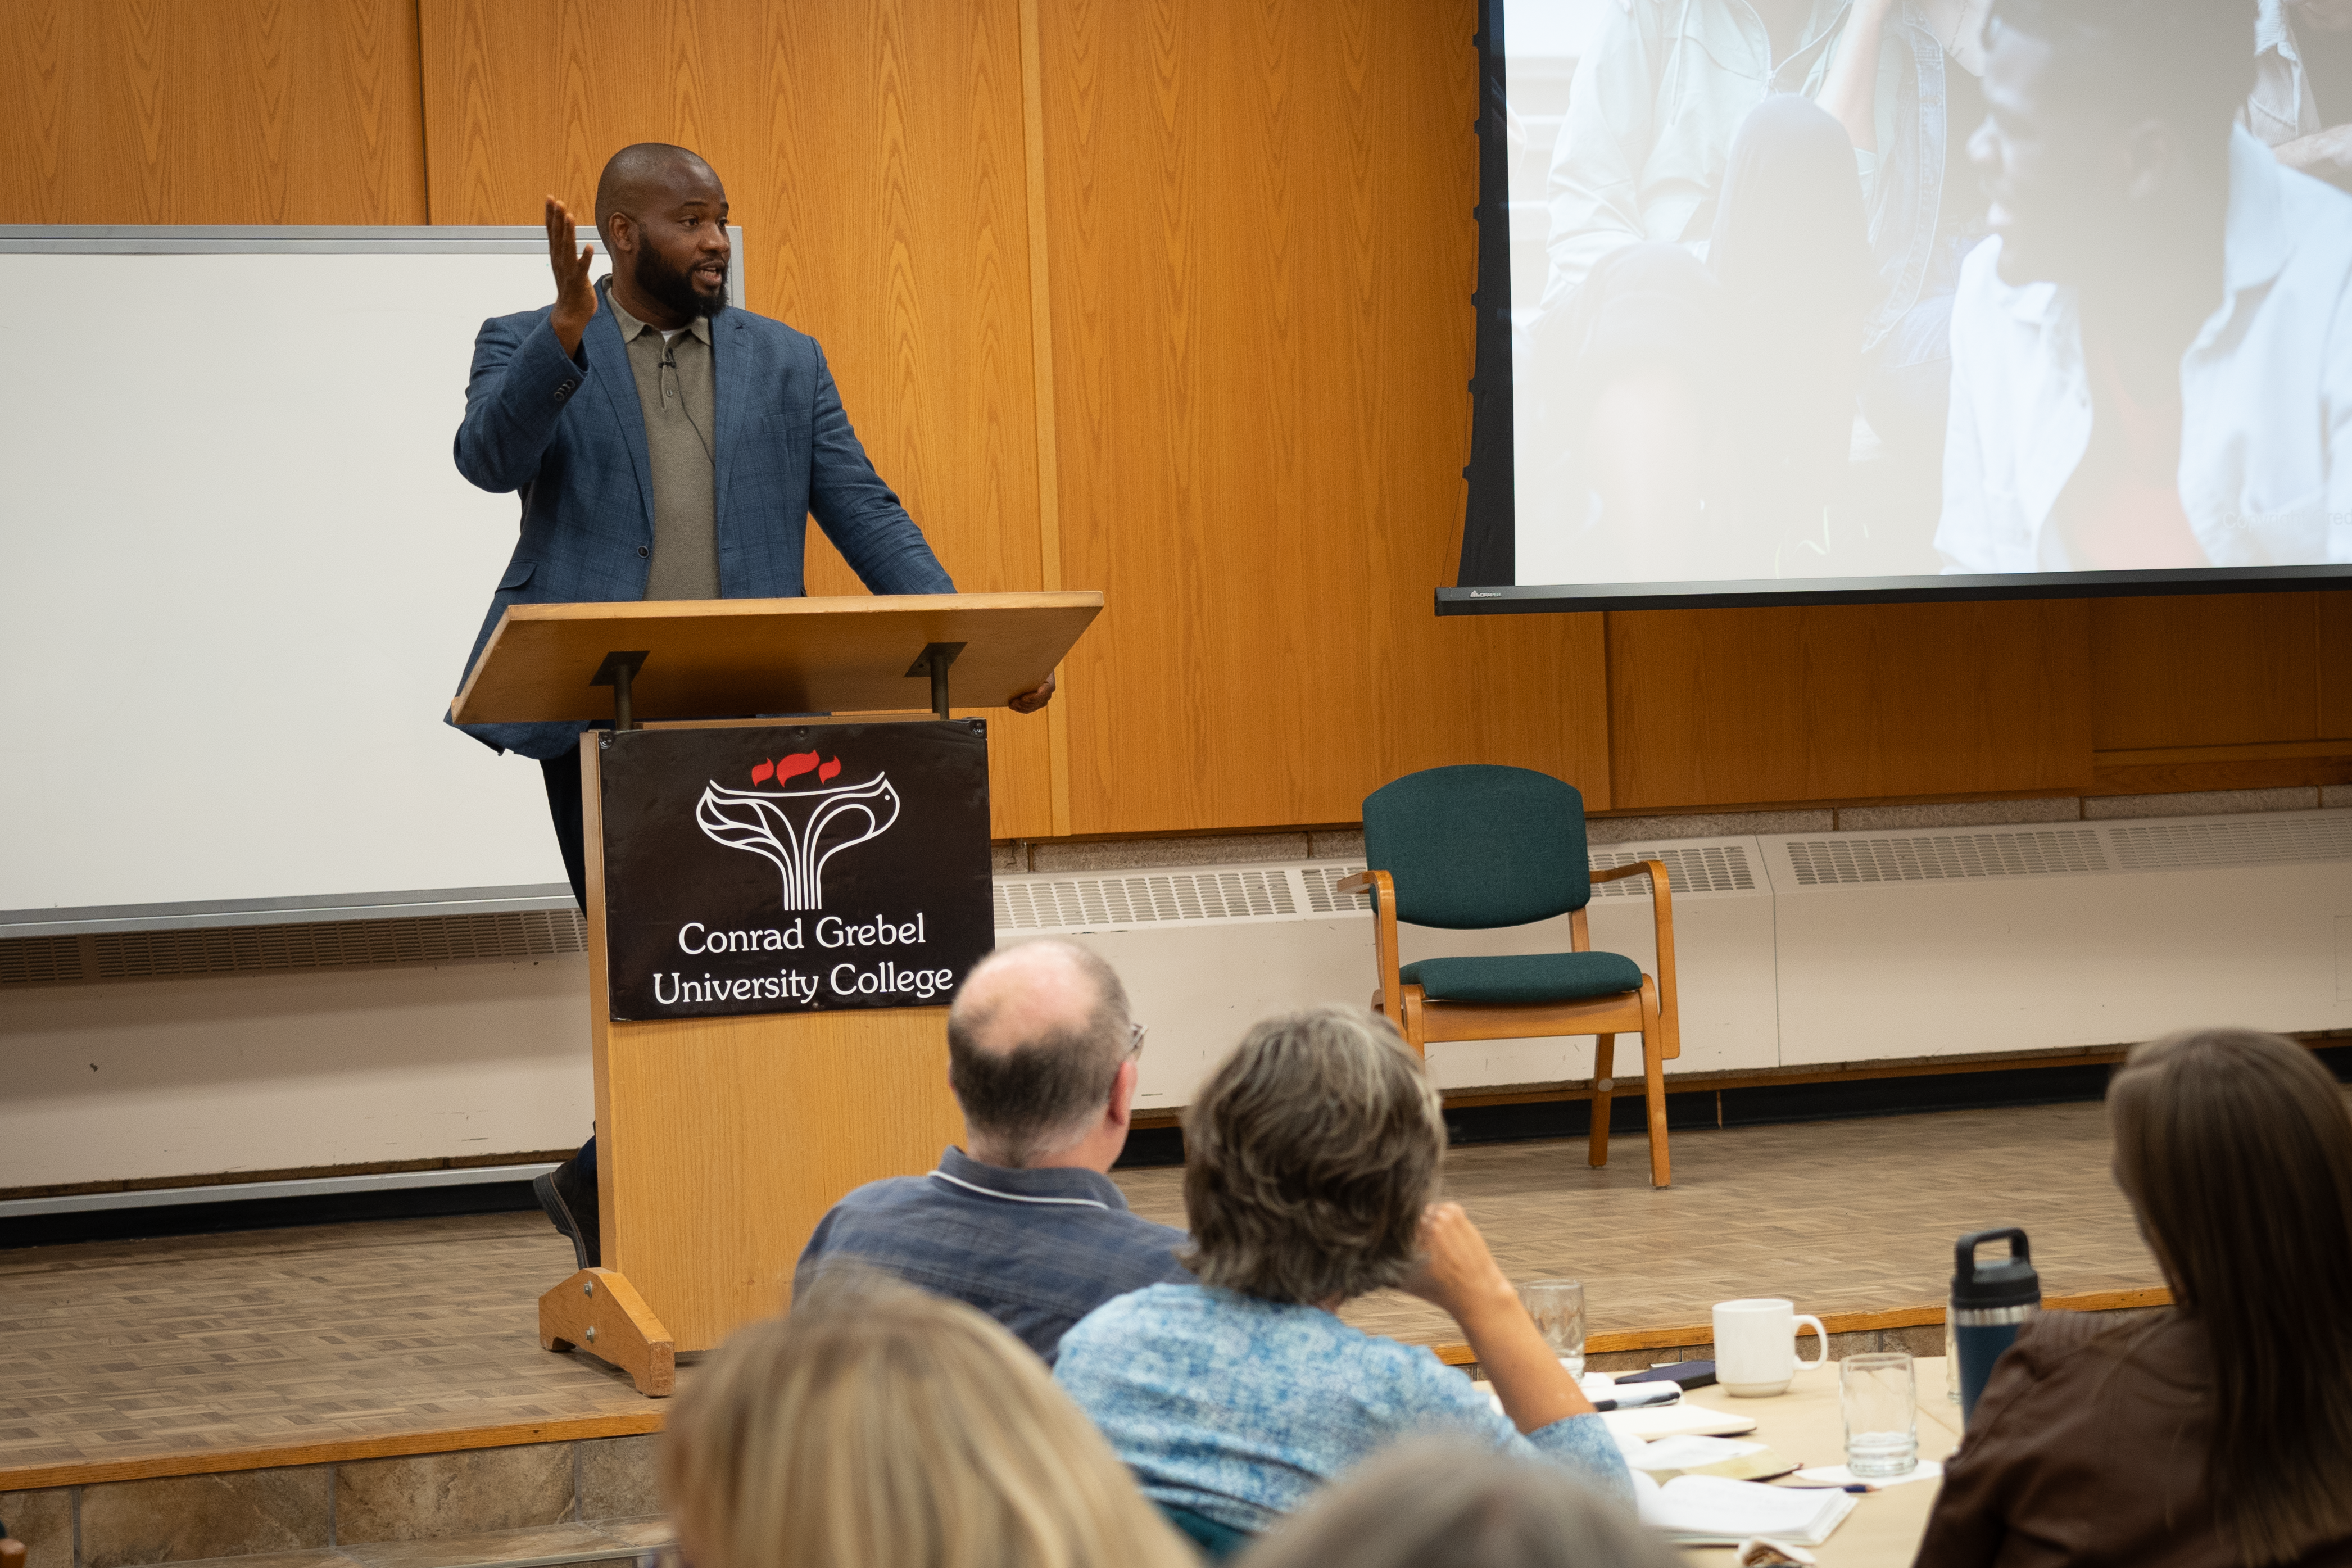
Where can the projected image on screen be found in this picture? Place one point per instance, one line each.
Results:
(1807, 291)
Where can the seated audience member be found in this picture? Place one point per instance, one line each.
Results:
(1701, 322)
(2218, 1435)
(879, 1425)
(1027, 1227)
(1312, 1157)
(2302, 104)
(1428, 1504)
(2151, 363)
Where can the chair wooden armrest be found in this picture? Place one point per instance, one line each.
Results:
(1662, 915)
(1385, 962)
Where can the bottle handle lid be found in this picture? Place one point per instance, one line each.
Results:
(1964, 1251)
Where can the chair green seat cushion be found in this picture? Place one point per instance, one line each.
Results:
(1526, 978)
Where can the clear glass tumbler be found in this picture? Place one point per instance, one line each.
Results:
(1880, 1395)
(1558, 1308)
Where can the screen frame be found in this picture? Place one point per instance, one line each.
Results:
(1486, 579)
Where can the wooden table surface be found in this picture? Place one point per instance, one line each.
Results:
(1885, 1529)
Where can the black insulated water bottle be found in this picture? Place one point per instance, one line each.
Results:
(1990, 1302)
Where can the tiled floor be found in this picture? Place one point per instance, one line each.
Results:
(1836, 1216)
(113, 1350)
(131, 1350)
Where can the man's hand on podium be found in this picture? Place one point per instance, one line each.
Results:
(1030, 702)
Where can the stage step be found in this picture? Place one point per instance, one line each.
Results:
(620, 1543)
(533, 1505)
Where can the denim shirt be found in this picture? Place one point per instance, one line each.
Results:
(1902, 181)
(1239, 1409)
(2281, 108)
(1649, 121)
(1658, 98)
(1036, 1249)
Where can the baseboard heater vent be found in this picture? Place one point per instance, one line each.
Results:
(341, 944)
(1299, 892)
(1705, 869)
(1944, 857)
(1151, 899)
(2168, 845)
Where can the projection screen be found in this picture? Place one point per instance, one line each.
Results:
(1805, 300)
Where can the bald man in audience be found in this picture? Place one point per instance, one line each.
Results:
(1027, 1226)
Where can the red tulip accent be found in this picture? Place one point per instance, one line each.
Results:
(763, 772)
(824, 775)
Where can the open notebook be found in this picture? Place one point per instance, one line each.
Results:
(1707, 1510)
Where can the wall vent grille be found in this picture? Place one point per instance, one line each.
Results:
(2165, 846)
(34, 959)
(1944, 857)
(1322, 883)
(1708, 869)
(1300, 893)
(334, 944)
(1158, 898)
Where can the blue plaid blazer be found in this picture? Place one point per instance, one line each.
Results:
(572, 439)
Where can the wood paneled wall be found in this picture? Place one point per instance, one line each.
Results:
(1261, 241)
(1166, 298)
(210, 111)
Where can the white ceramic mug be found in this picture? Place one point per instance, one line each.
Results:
(1756, 1345)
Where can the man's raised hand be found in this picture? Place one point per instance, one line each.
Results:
(575, 297)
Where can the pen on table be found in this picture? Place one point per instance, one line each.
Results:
(1671, 1395)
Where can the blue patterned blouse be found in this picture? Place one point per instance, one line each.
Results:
(1239, 1409)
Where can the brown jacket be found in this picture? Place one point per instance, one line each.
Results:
(2088, 1450)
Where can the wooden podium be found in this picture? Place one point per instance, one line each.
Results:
(723, 1140)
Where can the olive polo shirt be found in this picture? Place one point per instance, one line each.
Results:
(676, 392)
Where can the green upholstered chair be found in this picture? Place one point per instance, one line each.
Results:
(1477, 847)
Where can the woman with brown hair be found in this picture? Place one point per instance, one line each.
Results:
(1311, 1159)
(2219, 1434)
(879, 1426)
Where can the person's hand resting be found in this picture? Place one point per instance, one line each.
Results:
(1031, 700)
(1458, 1274)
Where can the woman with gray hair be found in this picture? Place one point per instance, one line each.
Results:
(1431, 1504)
(1311, 1162)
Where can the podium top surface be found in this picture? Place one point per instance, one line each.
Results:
(709, 658)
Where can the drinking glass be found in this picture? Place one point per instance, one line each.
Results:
(1879, 1393)
(1558, 1308)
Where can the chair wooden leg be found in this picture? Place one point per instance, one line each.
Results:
(1411, 1024)
(1604, 1062)
(1654, 1071)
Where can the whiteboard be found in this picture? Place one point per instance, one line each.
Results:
(243, 572)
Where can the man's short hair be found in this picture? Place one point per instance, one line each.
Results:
(1309, 1158)
(630, 171)
(2190, 63)
(1031, 1097)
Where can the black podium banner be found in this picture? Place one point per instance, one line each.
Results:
(794, 869)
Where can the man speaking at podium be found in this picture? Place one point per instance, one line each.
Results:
(666, 447)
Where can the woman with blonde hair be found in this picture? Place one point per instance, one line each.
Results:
(880, 1427)
(1311, 1165)
(2218, 1434)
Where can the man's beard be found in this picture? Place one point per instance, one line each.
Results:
(668, 285)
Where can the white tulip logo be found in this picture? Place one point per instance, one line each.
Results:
(798, 831)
